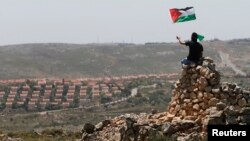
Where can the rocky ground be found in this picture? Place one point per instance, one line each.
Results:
(198, 99)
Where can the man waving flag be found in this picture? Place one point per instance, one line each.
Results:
(182, 15)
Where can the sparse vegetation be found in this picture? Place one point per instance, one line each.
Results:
(89, 60)
(46, 135)
(74, 61)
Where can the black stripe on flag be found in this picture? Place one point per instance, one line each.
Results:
(185, 9)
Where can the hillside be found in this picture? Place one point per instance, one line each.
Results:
(78, 60)
(34, 60)
(74, 60)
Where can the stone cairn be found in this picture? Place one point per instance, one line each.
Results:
(198, 100)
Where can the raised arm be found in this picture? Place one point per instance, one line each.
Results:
(179, 39)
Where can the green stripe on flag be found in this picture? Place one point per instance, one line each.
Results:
(186, 18)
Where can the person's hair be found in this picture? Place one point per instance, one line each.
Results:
(194, 37)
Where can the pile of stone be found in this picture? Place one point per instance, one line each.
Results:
(197, 90)
(198, 99)
(199, 93)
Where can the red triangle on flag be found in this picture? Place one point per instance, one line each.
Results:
(174, 14)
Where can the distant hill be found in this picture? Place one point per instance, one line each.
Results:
(79, 60)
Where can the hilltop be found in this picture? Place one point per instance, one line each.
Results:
(81, 60)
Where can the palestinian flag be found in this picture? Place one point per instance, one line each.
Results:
(182, 15)
(200, 37)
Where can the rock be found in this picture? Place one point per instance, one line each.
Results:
(231, 94)
(208, 59)
(231, 119)
(183, 113)
(129, 122)
(176, 119)
(159, 115)
(102, 124)
(217, 114)
(195, 113)
(198, 68)
(182, 96)
(187, 100)
(172, 104)
(189, 137)
(202, 83)
(190, 118)
(233, 86)
(220, 106)
(210, 95)
(231, 111)
(224, 96)
(154, 111)
(232, 101)
(198, 120)
(196, 90)
(99, 126)
(246, 92)
(168, 129)
(88, 128)
(177, 108)
(147, 133)
(245, 119)
(88, 137)
(215, 91)
(169, 117)
(186, 124)
(200, 95)
(203, 71)
(213, 102)
(226, 90)
(245, 111)
(224, 101)
(237, 90)
(247, 97)
(196, 107)
(211, 66)
(208, 89)
(214, 81)
(184, 73)
(119, 134)
(196, 101)
(239, 96)
(7, 138)
(214, 121)
(242, 102)
(203, 105)
(194, 76)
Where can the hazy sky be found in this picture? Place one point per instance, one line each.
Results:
(138, 21)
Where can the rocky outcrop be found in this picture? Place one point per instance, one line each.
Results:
(198, 99)
(4, 137)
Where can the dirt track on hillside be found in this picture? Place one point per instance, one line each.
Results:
(226, 60)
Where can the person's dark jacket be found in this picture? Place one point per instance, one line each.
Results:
(195, 51)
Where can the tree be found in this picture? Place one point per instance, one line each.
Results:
(104, 98)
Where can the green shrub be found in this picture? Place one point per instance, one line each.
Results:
(53, 132)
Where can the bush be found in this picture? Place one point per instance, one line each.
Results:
(53, 132)
(105, 99)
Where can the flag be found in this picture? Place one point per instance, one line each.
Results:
(182, 15)
(200, 37)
